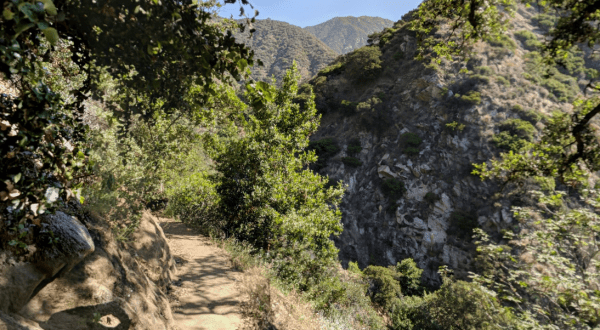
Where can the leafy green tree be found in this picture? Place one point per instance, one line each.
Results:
(268, 196)
(144, 46)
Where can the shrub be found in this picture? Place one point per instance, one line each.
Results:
(393, 188)
(481, 79)
(564, 88)
(354, 147)
(399, 56)
(384, 289)
(502, 41)
(456, 305)
(456, 126)
(529, 40)
(472, 97)
(409, 277)
(431, 197)
(462, 224)
(351, 161)
(325, 149)
(411, 151)
(545, 21)
(333, 69)
(484, 70)
(411, 139)
(502, 81)
(348, 108)
(505, 140)
(531, 116)
(518, 127)
(364, 64)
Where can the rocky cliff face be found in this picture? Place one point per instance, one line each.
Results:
(425, 127)
(277, 44)
(345, 34)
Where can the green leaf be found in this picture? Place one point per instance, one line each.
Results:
(21, 27)
(50, 7)
(43, 25)
(8, 15)
(17, 177)
(51, 35)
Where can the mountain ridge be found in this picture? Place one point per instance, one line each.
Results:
(345, 34)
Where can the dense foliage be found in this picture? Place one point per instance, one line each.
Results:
(545, 268)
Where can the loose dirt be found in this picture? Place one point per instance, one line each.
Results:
(204, 295)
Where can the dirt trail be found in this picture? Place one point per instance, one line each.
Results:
(205, 296)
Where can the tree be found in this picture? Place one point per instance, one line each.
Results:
(268, 196)
(144, 45)
(474, 20)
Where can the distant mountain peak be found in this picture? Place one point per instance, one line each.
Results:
(277, 44)
(345, 34)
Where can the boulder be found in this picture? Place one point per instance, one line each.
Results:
(20, 281)
(385, 172)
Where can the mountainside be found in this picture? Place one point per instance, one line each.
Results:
(345, 34)
(278, 44)
(402, 127)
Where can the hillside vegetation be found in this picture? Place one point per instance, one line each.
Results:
(277, 44)
(345, 34)
(359, 193)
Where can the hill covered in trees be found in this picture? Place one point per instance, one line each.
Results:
(345, 34)
(277, 44)
(360, 191)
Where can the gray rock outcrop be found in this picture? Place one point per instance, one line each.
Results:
(21, 280)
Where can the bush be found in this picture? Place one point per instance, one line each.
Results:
(502, 81)
(518, 127)
(384, 289)
(472, 97)
(564, 88)
(545, 21)
(529, 40)
(431, 197)
(531, 116)
(480, 79)
(503, 41)
(456, 126)
(390, 283)
(411, 139)
(333, 69)
(462, 224)
(325, 149)
(456, 305)
(409, 277)
(351, 161)
(484, 70)
(393, 188)
(354, 147)
(348, 108)
(364, 64)
(505, 140)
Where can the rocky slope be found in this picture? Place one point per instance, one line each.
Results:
(345, 34)
(393, 118)
(278, 44)
(117, 285)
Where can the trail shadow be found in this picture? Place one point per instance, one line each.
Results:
(89, 317)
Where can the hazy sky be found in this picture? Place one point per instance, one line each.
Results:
(312, 12)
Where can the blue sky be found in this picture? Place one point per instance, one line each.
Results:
(312, 12)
